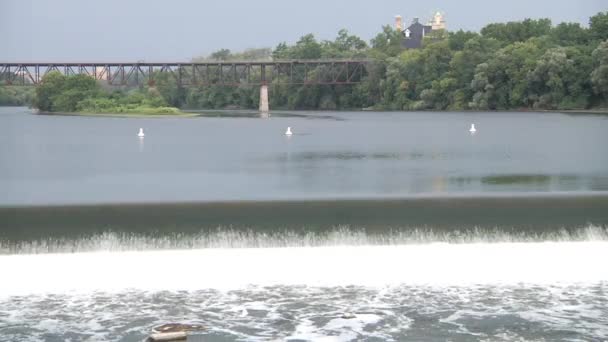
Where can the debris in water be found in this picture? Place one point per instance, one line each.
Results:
(178, 327)
(167, 337)
(348, 315)
(173, 332)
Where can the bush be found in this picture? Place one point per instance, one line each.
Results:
(81, 93)
(16, 95)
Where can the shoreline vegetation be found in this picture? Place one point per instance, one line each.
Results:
(179, 114)
(529, 65)
(289, 112)
(85, 95)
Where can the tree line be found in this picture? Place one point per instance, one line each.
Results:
(529, 64)
(82, 93)
(16, 95)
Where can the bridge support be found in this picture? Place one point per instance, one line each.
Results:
(264, 99)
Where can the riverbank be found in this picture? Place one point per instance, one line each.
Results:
(179, 114)
(599, 111)
(274, 111)
(190, 113)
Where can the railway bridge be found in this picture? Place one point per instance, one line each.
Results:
(194, 74)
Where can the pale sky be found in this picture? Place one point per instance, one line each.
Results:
(177, 30)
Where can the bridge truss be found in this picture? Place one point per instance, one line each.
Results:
(195, 74)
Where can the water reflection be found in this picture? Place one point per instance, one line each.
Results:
(419, 172)
(519, 179)
(141, 144)
(439, 184)
(256, 114)
(313, 156)
(241, 156)
(346, 155)
(378, 217)
(529, 182)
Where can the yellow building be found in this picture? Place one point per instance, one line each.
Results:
(438, 22)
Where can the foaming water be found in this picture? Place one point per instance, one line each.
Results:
(374, 266)
(301, 313)
(249, 238)
(473, 285)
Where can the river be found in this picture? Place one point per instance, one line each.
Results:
(366, 226)
(366, 154)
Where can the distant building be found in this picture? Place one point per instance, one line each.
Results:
(414, 34)
(398, 23)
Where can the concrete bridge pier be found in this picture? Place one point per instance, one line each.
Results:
(264, 99)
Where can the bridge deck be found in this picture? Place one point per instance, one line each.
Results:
(223, 73)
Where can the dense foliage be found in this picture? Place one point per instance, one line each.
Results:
(16, 95)
(81, 93)
(516, 65)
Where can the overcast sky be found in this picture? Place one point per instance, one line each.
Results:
(177, 30)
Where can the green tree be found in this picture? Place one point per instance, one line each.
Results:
(16, 95)
(220, 55)
(441, 94)
(598, 25)
(484, 97)
(75, 89)
(387, 43)
(259, 54)
(463, 65)
(501, 82)
(52, 85)
(558, 80)
(517, 31)
(599, 76)
(345, 45)
(307, 48)
(458, 39)
(368, 93)
(169, 89)
(281, 51)
(525, 64)
(568, 34)
(82, 93)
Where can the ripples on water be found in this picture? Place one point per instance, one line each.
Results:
(65, 279)
(301, 313)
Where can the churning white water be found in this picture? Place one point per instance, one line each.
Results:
(375, 266)
(476, 285)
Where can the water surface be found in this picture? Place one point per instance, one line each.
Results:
(69, 159)
(417, 229)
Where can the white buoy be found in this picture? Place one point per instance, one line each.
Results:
(288, 131)
(472, 129)
(141, 133)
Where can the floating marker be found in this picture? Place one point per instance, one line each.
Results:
(141, 133)
(288, 131)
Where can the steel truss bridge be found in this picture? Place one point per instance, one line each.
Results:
(304, 72)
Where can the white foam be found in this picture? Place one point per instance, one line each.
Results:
(342, 235)
(337, 329)
(374, 266)
(396, 313)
